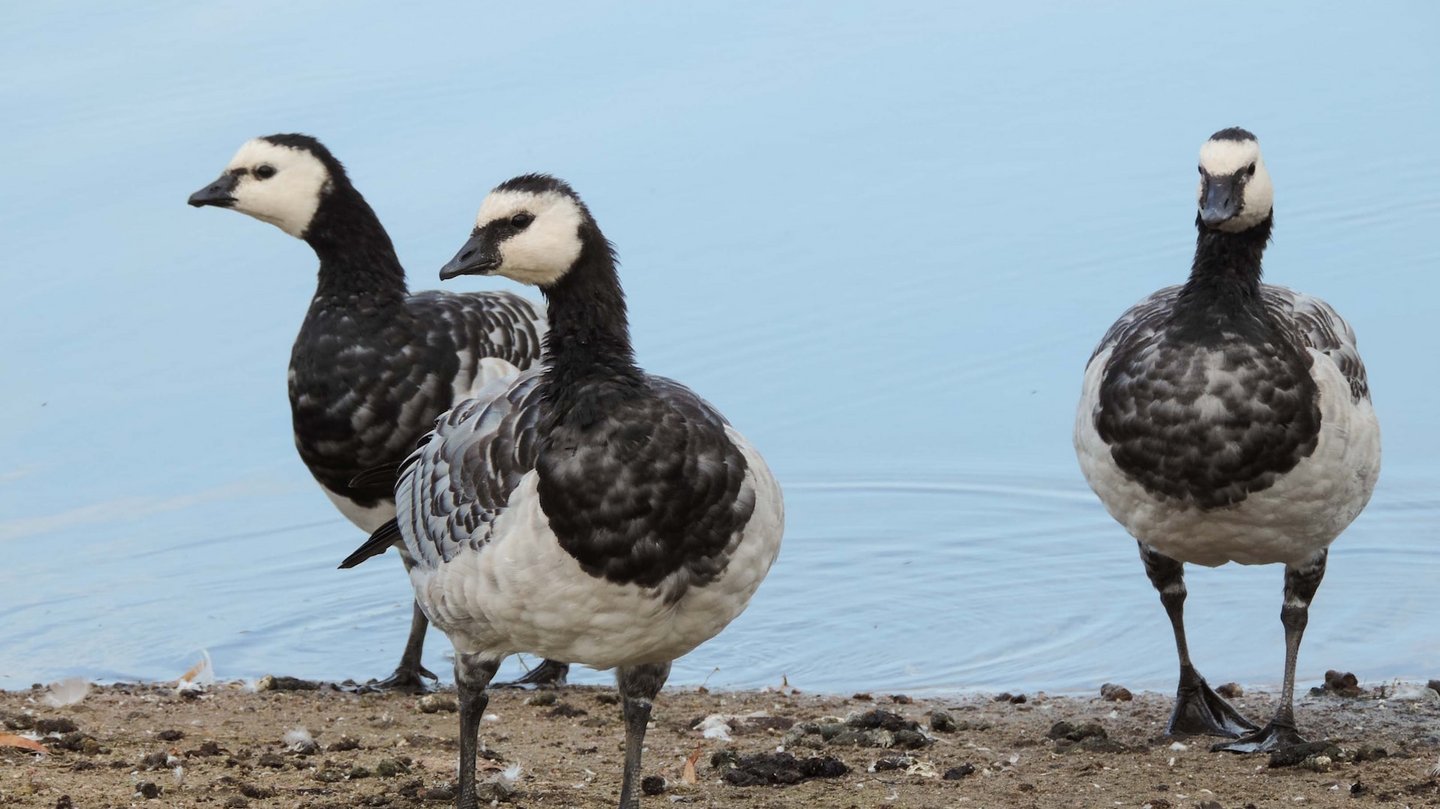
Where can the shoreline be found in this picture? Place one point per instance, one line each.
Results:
(228, 746)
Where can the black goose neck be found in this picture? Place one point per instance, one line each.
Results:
(357, 259)
(1227, 266)
(589, 329)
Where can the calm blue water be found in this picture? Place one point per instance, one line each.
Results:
(883, 242)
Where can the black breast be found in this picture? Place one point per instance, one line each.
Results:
(651, 488)
(368, 383)
(1208, 413)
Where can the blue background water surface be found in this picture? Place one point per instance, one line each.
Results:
(883, 238)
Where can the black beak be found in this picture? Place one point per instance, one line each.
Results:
(1221, 199)
(220, 193)
(477, 257)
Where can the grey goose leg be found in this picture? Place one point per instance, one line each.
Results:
(472, 675)
(638, 687)
(1300, 585)
(409, 676)
(1198, 709)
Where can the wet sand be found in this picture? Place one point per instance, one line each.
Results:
(146, 745)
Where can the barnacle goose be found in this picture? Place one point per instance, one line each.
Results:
(588, 511)
(373, 365)
(1227, 420)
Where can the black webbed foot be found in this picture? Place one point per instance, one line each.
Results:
(549, 674)
(1199, 711)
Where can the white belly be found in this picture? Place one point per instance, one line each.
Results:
(367, 518)
(1301, 514)
(524, 593)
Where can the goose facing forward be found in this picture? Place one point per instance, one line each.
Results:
(588, 512)
(1227, 420)
(373, 365)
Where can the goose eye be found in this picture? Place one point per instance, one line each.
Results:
(264, 171)
(1201, 169)
(1250, 172)
(522, 220)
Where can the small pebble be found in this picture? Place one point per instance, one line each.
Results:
(1370, 753)
(147, 790)
(942, 722)
(80, 743)
(1115, 693)
(1342, 684)
(956, 773)
(1296, 754)
(652, 785)
(256, 792)
(541, 698)
(57, 725)
(437, 703)
(236, 802)
(1068, 732)
(170, 735)
(272, 683)
(901, 699)
(892, 763)
(389, 768)
(565, 710)
(64, 803)
(329, 774)
(1230, 691)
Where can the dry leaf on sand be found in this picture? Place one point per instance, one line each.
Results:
(11, 740)
(688, 773)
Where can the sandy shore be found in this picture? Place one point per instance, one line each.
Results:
(145, 745)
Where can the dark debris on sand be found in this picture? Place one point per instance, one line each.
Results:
(776, 768)
(1340, 684)
(875, 728)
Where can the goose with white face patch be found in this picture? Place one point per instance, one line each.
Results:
(373, 365)
(590, 512)
(1228, 420)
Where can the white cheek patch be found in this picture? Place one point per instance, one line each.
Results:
(288, 199)
(1259, 199)
(1221, 157)
(547, 249)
